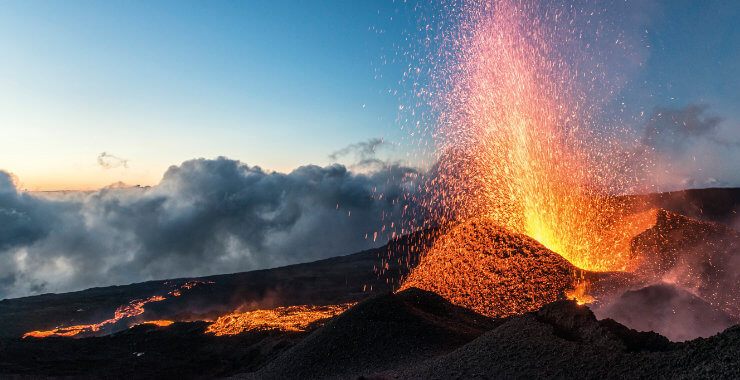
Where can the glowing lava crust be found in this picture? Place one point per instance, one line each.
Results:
(131, 310)
(285, 318)
(492, 271)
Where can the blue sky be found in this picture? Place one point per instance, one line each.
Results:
(693, 55)
(279, 84)
(276, 83)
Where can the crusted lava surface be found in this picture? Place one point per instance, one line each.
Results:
(498, 273)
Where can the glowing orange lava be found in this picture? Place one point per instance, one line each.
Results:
(579, 293)
(130, 310)
(157, 322)
(482, 266)
(520, 141)
(287, 318)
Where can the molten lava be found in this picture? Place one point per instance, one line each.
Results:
(130, 310)
(528, 176)
(579, 293)
(157, 322)
(287, 318)
(483, 267)
(519, 138)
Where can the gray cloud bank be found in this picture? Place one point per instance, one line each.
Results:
(693, 148)
(204, 217)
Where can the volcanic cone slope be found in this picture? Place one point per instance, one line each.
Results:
(486, 268)
(384, 332)
(564, 340)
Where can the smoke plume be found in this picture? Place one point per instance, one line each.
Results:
(109, 161)
(364, 153)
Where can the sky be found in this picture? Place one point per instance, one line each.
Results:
(694, 55)
(688, 85)
(277, 84)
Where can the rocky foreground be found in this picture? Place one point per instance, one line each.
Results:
(413, 334)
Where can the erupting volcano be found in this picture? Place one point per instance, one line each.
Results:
(522, 146)
(521, 140)
(527, 233)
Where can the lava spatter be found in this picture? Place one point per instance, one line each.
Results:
(492, 271)
(520, 137)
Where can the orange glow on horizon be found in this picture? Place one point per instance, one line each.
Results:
(82, 182)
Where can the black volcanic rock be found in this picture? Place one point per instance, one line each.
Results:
(387, 338)
(564, 340)
(698, 255)
(721, 205)
(384, 332)
(409, 335)
(662, 245)
(714, 204)
(179, 351)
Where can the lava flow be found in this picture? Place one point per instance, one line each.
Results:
(286, 318)
(157, 322)
(130, 310)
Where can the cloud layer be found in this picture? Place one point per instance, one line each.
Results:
(204, 217)
(693, 148)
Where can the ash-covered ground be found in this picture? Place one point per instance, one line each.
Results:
(688, 292)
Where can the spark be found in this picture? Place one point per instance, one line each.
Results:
(521, 144)
(520, 139)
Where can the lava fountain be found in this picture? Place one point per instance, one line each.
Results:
(529, 172)
(520, 138)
